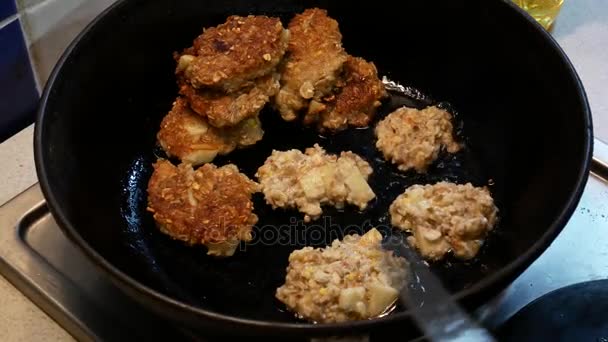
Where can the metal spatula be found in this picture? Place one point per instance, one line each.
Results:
(435, 312)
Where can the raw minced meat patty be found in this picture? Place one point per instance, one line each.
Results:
(445, 217)
(306, 181)
(352, 279)
(412, 138)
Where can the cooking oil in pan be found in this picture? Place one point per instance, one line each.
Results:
(544, 11)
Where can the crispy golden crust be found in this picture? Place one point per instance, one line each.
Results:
(231, 54)
(187, 136)
(223, 109)
(355, 103)
(314, 61)
(209, 205)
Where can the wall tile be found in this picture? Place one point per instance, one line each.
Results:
(23, 4)
(18, 93)
(44, 17)
(7, 8)
(53, 25)
(50, 26)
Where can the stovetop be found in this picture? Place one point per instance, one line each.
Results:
(42, 263)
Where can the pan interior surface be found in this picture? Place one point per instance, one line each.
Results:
(520, 111)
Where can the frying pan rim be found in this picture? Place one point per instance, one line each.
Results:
(131, 285)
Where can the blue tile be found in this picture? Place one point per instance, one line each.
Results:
(7, 8)
(18, 94)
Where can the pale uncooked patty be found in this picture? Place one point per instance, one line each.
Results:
(306, 181)
(412, 138)
(352, 279)
(445, 217)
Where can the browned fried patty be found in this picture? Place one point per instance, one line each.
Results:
(314, 61)
(223, 109)
(357, 97)
(189, 137)
(210, 205)
(231, 54)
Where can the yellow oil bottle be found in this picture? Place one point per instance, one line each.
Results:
(544, 11)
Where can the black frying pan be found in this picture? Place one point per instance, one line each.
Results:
(520, 109)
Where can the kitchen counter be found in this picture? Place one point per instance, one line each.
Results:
(581, 29)
(20, 319)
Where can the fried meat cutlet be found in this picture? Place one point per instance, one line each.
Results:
(228, 56)
(314, 61)
(355, 101)
(412, 138)
(445, 217)
(221, 109)
(306, 181)
(189, 137)
(210, 205)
